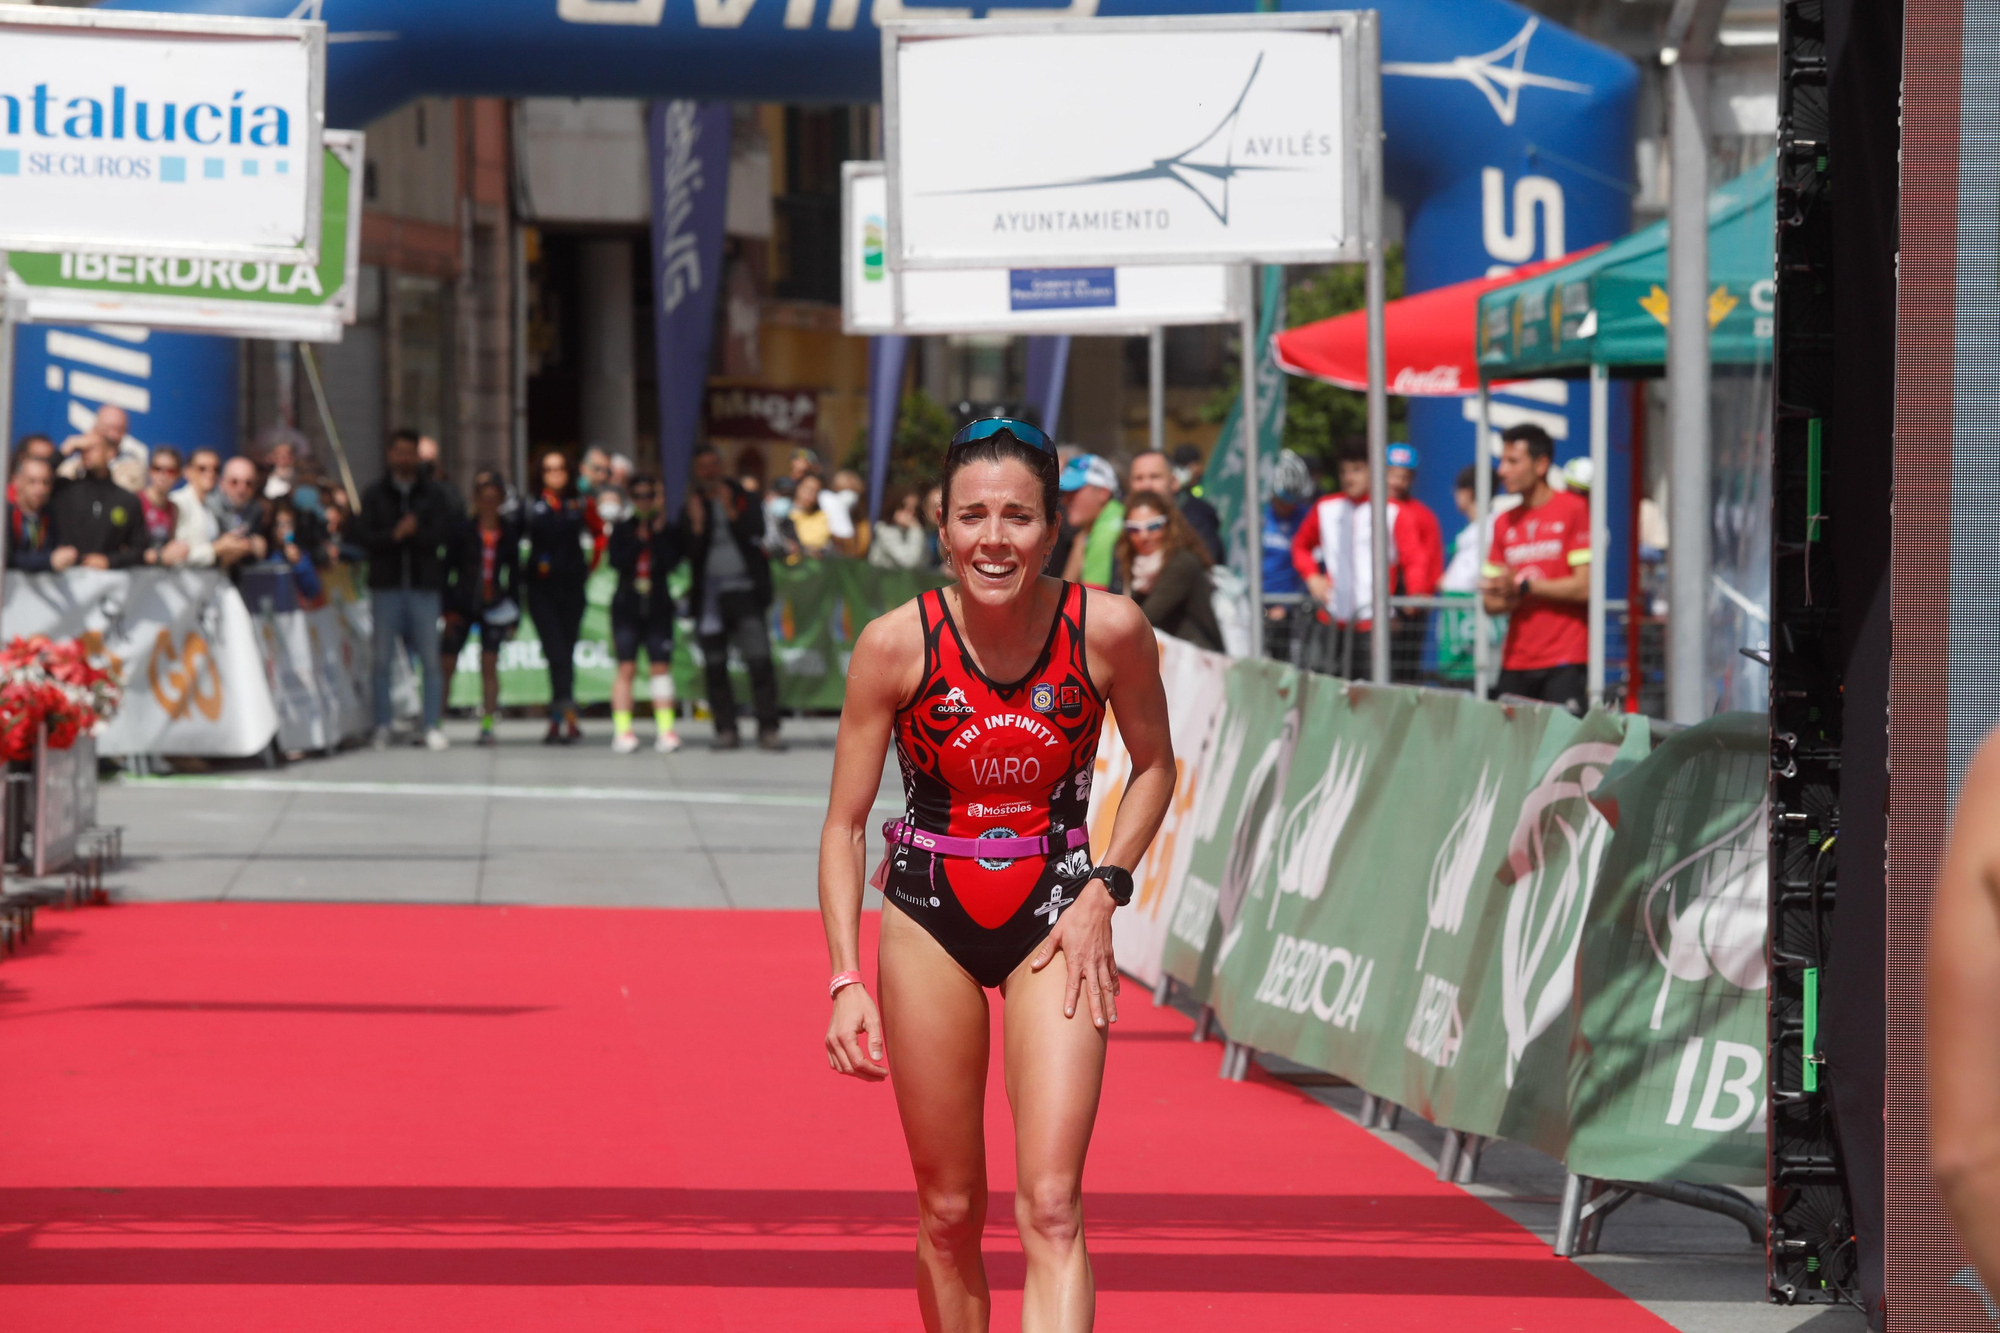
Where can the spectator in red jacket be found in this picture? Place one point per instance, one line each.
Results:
(1419, 578)
(1333, 552)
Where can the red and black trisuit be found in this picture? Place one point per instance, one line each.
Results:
(1009, 763)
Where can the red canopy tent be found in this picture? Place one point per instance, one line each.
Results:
(1433, 351)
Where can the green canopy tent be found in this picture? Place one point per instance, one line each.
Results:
(1607, 314)
(1609, 308)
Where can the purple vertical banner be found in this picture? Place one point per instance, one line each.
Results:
(688, 146)
(1048, 367)
(886, 356)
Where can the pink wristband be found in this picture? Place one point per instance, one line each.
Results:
(842, 979)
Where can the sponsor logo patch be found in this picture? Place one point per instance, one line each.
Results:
(1072, 700)
(981, 810)
(1043, 698)
(953, 705)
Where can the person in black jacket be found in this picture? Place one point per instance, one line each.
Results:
(483, 591)
(558, 532)
(404, 523)
(644, 549)
(96, 515)
(730, 586)
(31, 544)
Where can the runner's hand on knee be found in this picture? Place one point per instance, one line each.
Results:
(854, 1037)
(1084, 935)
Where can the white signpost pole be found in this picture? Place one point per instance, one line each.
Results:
(1368, 130)
(1156, 389)
(1253, 500)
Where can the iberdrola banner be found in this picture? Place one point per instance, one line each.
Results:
(818, 608)
(1667, 1064)
(1236, 810)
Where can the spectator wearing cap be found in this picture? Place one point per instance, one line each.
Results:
(1334, 552)
(1413, 624)
(1093, 518)
(1292, 494)
(1151, 471)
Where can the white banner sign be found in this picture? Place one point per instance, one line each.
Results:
(301, 302)
(182, 643)
(157, 134)
(1196, 139)
(1193, 680)
(1018, 301)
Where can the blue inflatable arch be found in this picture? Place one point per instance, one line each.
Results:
(1508, 138)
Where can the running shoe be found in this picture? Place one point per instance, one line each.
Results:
(572, 733)
(767, 739)
(624, 743)
(726, 740)
(488, 738)
(554, 736)
(666, 742)
(434, 740)
(381, 739)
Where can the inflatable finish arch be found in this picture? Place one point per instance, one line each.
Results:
(1508, 137)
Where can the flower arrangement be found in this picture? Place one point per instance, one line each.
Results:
(69, 686)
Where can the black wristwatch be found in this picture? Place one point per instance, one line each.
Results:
(1117, 883)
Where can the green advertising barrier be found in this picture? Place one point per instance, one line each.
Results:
(1516, 922)
(1667, 1068)
(1234, 814)
(817, 609)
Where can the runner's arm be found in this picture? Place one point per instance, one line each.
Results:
(1963, 1005)
(877, 679)
(1124, 660)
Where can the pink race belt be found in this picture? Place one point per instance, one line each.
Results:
(989, 849)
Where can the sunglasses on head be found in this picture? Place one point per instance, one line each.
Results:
(987, 427)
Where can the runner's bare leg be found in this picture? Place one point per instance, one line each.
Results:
(935, 1028)
(1055, 1070)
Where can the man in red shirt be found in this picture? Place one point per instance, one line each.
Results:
(1333, 552)
(1417, 577)
(1538, 575)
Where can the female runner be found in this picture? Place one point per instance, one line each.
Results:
(989, 875)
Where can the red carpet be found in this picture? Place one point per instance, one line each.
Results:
(295, 1117)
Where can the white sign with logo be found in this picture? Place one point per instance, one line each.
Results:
(1128, 300)
(182, 642)
(1195, 139)
(157, 134)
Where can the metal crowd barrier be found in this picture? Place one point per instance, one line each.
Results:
(1296, 633)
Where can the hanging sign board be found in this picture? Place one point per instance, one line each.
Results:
(160, 135)
(1039, 300)
(1199, 139)
(237, 298)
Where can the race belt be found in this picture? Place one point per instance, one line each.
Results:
(986, 849)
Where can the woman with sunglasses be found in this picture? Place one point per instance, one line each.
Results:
(558, 533)
(1164, 564)
(994, 690)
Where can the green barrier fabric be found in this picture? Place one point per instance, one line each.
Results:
(817, 608)
(1234, 813)
(1515, 922)
(1667, 1070)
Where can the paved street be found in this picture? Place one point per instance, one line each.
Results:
(518, 823)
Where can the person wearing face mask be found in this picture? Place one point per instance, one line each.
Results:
(1165, 568)
(644, 549)
(561, 554)
(994, 691)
